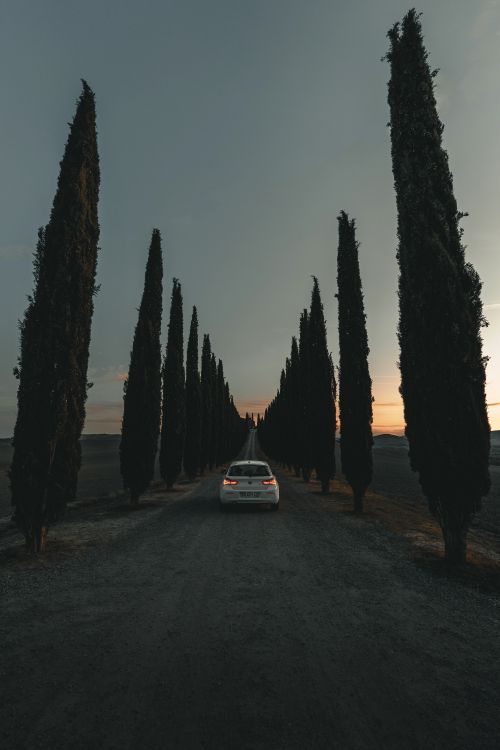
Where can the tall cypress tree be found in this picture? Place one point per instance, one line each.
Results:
(213, 449)
(142, 391)
(192, 446)
(294, 406)
(220, 426)
(227, 450)
(284, 417)
(355, 385)
(442, 368)
(306, 461)
(173, 409)
(206, 404)
(55, 337)
(322, 395)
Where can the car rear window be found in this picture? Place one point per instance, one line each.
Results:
(249, 470)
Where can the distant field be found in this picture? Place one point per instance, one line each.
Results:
(393, 476)
(100, 473)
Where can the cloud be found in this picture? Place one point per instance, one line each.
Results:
(388, 403)
(109, 374)
(492, 306)
(494, 403)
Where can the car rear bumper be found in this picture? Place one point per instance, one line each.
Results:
(235, 498)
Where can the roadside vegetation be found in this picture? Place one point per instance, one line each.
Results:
(298, 428)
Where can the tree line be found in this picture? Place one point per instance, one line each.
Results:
(441, 362)
(298, 428)
(440, 318)
(200, 426)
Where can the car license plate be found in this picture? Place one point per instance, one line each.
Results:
(250, 494)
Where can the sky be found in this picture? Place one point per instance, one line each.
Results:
(239, 128)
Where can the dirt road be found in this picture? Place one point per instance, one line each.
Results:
(252, 629)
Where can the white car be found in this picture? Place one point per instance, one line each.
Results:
(249, 482)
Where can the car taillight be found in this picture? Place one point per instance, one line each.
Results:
(269, 481)
(229, 481)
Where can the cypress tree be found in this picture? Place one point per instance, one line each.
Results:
(220, 428)
(206, 404)
(227, 453)
(192, 448)
(322, 395)
(294, 400)
(236, 427)
(441, 363)
(355, 394)
(269, 429)
(142, 389)
(304, 416)
(212, 454)
(55, 337)
(173, 409)
(284, 415)
(274, 430)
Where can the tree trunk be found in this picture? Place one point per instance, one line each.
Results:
(37, 540)
(134, 498)
(455, 543)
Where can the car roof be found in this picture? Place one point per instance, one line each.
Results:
(245, 463)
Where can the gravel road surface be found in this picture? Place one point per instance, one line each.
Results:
(305, 629)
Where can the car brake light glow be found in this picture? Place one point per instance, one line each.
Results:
(269, 481)
(229, 481)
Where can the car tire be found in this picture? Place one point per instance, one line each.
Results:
(275, 506)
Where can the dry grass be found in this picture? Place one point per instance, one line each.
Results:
(413, 522)
(89, 523)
